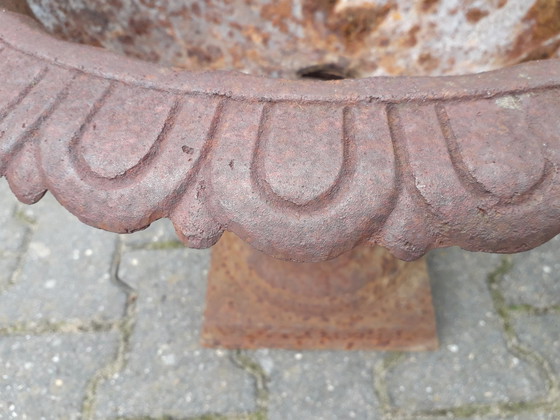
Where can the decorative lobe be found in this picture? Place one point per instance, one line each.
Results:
(507, 149)
(351, 212)
(33, 104)
(130, 144)
(301, 170)
(293, 148)
(24, 176)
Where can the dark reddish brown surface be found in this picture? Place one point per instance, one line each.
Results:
(303, 170)
(363, 299)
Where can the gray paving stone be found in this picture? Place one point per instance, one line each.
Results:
(45, 377)
(320, 385)
(167, 373)
(12, 230)
(535, 276)
(65, 273)
(473, 364)
(160, 234)
(531, 415)
(525, 416)
(542, 334)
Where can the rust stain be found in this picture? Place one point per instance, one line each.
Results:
(428, 61)
(195, 9)
(411, 38)
(278, 13)
(140, 25)
(16, 6)
(546, 15)
(389, 64)
(364, 299)
(205, 56)
(428, 5)
(475, 15)
(354, 24)
(543, 23)
(288, 36)
(256, 35)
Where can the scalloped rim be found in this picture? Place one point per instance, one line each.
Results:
(30, 39)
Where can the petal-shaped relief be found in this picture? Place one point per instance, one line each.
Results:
(194, 224)
(409, 231)
(357, 207)
(492, 141)
(417, 129)
(32, 101)
(135, 118)
(128, 203)
(300, 154)
(24, 174)
(20, 74)
(461, 212)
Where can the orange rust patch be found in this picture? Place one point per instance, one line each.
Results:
(278, 13)
(364, 299)
(354, 24)
(411, 39)
(195, 9)
(428, 62)
(256, 35)
(544, 52)
(543, 21)
(347, 27)
(139, 25)
(474, 15)
(16, 6)
(427, 5)
(546, 15)
(381, 42)
(389, 64)
(204, 56)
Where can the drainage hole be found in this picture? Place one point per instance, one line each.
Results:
(325, 72)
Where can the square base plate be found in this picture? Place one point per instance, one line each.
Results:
(364, 299)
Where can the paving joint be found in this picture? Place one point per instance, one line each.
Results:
(125, 326)
(63, 327)
(380, 387)
(513, 344)
(202, 417)
(242, 360)
(468, 411)
(530, 310)
(29, 225)
(21, 216)
(8, 254)
(550, 403)
(157, 246)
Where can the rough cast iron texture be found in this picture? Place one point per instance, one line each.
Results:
(284, 38)
(302, 170)
(363, 299)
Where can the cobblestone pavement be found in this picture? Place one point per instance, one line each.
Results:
(100, 326)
